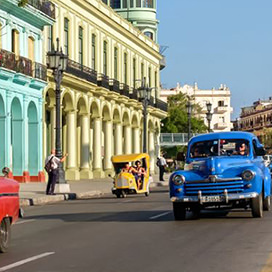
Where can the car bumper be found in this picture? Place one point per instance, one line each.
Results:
(225, 198)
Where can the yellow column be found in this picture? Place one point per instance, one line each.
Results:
(72, 171)
(118, 139)
(97, 156)
(108, 147)
(127, 139)
(136, 140)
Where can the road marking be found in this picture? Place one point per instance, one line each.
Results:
(268, 266)
(34, 258)
(24, 221)
(159, 215)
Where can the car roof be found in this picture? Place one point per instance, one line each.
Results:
(223, 135)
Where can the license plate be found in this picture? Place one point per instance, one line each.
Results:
(211, 198)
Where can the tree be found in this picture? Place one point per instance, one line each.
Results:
(177, 120)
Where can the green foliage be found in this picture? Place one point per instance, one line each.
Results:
(177, 120)
(22, 3)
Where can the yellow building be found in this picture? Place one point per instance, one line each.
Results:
(101, 115)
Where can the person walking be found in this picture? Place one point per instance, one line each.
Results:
(51, 165)
(162, 164)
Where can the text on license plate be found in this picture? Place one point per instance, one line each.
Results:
(211, 198)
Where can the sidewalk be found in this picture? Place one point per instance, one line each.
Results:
(34, 193)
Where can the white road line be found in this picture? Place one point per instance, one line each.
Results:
(34, 258)
(159, 215)
(24, 221)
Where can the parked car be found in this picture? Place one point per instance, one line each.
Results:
(224, 170)
(9, 209)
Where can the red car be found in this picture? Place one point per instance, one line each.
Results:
(9, 209)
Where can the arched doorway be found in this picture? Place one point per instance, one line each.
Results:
(2, 133)
(16, 137)
(33, 148)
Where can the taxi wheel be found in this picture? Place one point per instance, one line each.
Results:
(4, 235)
(123, 194)
(267, 204)
(257, 206)
(179, 211)
(146, 193)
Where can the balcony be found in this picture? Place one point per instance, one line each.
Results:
(221, 125)
(44, 6)
(134, 94)
(221, 109)
(114, 85)
(19, 64)
(38, 13)
(103, 80)
(81, 71)
(161, 105)
(124, 89)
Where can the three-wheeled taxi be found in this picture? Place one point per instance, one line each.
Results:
(9, 209)
(127, 179)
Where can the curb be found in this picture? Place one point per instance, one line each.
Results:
(38, 201)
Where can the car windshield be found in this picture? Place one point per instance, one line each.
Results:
(222, 147)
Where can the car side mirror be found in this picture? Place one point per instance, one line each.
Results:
(260, 151)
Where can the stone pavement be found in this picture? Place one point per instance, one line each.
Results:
(33, 193)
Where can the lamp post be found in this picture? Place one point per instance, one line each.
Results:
(144, 95)
(189, 113)
(57, 61)
(209, 115)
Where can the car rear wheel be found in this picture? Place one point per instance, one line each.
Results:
(4, 234)
(179, 211)
(257, 206)
(267, 203)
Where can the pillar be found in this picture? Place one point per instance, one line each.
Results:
(97, 156)
(118, 139)
(72, 171)
(127, 140)
(108, 147)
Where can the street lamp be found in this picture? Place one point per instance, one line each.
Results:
(57, 61)
(189, 113)
(144, 95)
(209, 115)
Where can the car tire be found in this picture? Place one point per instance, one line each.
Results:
(4, 235)
(267, 203)
(195, 212)
(257, 206)
(179, 211)
(146, 193)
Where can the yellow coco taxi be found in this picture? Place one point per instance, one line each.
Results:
(132, 174)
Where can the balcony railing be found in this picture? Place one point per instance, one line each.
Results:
(221, 109)
(161, 105)
(114, 85)
(103, 80)
(44, 6)
(39, 71)
(24, 66)
(7, 60)
(124, 89)
(81, 71)
(134, 94)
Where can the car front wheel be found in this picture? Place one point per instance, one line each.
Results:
(179, 211)
(4, 234)
(257, 206)
(267, 203)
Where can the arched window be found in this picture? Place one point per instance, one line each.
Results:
(149, 34)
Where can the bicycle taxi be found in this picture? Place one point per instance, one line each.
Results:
(132, 174)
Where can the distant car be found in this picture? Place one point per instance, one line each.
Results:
(223, 170)
(9, 209)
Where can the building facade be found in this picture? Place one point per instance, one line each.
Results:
(22, 79)
(101, 113)
(219, 98)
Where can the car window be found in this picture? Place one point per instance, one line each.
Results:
(222, 147)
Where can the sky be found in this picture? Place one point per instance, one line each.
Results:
(218, 41)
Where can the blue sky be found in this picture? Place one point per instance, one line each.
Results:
(219, 41)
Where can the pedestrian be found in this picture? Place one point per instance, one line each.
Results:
(5, 172)
(161, 163)
(51, 166)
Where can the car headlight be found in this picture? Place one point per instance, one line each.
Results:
(248, 175)
(178, 179)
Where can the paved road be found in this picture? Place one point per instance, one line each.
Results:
(136, 234)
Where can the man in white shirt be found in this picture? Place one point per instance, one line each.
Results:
(162, 166)
(53, 173)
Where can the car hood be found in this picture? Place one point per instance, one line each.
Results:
(227, 167)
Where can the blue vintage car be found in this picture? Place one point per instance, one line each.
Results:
(224, 170)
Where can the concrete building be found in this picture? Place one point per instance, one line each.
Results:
(22, 79)
(101, 114)
(219, 98)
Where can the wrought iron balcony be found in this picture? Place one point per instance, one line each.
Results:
(124, 89)
(161, 105)
(24, 66)
(81, 71)
(39, 71)
(114, 85)
(134, 94)
(7, 60)
(44, 6)
(103, 80)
